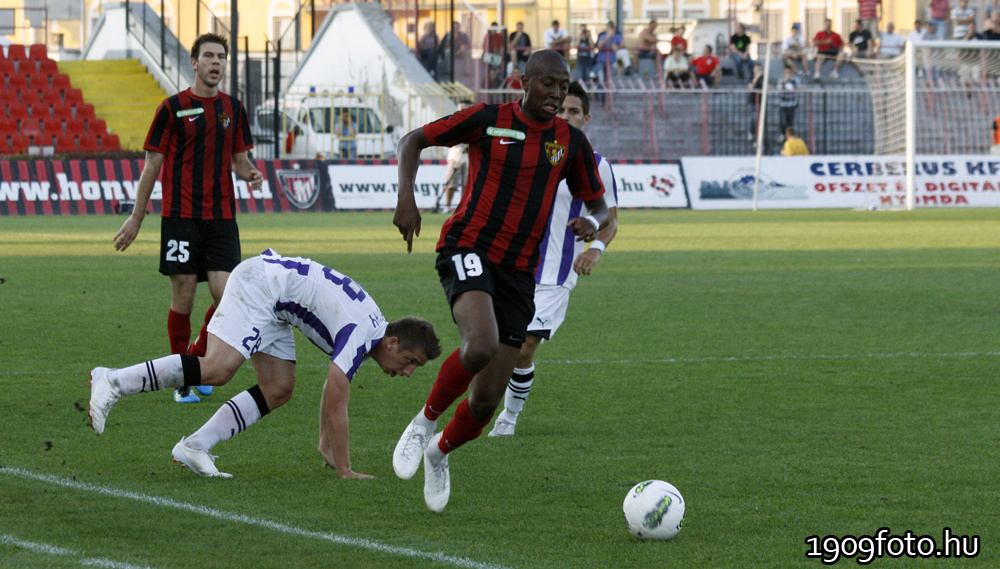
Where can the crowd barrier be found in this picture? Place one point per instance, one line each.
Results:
(81, 187)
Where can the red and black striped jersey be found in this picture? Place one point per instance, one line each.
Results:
(515, 166)
(199, 137)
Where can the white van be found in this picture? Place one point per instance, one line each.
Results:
(306, 129)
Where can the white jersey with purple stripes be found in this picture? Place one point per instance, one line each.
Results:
(328, 307)
(559, 247)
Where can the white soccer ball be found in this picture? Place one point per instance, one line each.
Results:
(654, 509)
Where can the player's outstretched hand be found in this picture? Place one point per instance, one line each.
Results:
(407, 219)
(583, 228)
(126, 235)
(584, 262)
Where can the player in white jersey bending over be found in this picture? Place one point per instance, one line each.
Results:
(561, 260)
(265, 297)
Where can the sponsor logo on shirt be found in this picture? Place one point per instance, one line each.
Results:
(505, 133)
(189, 112)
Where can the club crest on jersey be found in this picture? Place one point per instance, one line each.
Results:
(555, 152)
(224, 120)
(301, 187)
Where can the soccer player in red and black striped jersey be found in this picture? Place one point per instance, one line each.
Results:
(199, 137)
(488, 250)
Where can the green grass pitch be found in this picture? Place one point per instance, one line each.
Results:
(793, 373)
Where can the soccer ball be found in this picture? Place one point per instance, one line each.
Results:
(654, 509)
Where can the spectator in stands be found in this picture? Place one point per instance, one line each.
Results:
(493, 49)
(991, 8)
(756, 87)
(678, 41)
(584, 55)
(794, 146)
(962, 17)
(427, 49)
(788, 98)
(463, 55)
(707, 68)
(931, 32)
(918, 33)
(890, 44)
(939, 19)
(829, 45)
(513, 81)
(677, 69)
(992, 28)
(739, 50)
(647, 52)
(862, 42)
(608, 43)
(558, 39)
(868, 12)
(794, 49)
(520, 47)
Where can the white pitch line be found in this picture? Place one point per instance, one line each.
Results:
(250, 520)
(63, 552)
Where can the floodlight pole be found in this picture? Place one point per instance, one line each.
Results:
(911, 138)
(761, 116)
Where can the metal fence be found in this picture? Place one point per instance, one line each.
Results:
(670, 123)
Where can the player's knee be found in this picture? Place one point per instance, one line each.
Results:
(477, 352)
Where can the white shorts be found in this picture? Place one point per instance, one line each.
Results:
(551, 302)
(245, 317)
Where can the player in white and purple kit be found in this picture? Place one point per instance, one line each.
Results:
(562, 258)
(266, 297)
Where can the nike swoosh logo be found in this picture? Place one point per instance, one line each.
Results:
(505, 141)
(192, 119)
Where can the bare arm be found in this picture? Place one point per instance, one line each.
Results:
(246, 171)
(584, 262)
(407, 216)
(147, 180)
(334, 424)
(582, 227)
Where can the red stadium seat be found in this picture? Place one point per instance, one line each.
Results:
(17, 112)
(52, 97)
(33, 129)
(97, 126)
(73, 97)
(16, 51)
(85, 111)
(89, 143)
(19, 143)
(65, 143)
(7, 99)
(39, 111)
(63, 114)
(7, 126)
(75, 126)
(17, 82)
(60, 82)
(110, 142)
(6, 68)
(38, 52)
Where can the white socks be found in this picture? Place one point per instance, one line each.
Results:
(517, 392)
(235, 416)
(151, 376)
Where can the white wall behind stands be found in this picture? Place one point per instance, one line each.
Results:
(842, 181)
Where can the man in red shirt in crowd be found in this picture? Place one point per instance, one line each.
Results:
(829, 45)
(707, 67)
(199, 136)
(489, 249)
(868, 13)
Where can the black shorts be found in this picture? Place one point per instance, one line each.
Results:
(513, 292)
(196, 246)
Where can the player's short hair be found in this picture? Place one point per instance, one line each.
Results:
(555, 22)
(576, 89)
(466, 102)
(208, 38)
(790, 131)
(415, 334)
(709, 49)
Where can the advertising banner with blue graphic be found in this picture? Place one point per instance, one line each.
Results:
(842, 181)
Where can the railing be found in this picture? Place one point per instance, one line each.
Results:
(146, 26)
